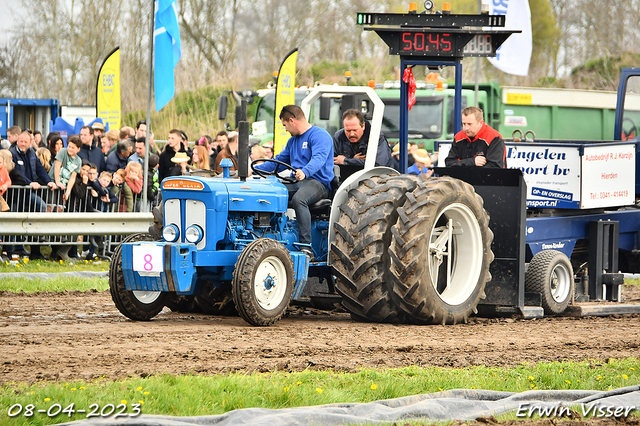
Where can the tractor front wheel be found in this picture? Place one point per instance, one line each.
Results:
(136, 305)
(263, 282)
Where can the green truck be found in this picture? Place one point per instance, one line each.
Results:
(546, 113)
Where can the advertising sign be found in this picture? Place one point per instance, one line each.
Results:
(608, 176)
(551, 172)
(284, 96)
(108, 90)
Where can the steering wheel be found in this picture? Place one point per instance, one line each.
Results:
(278, 163)
(632, 133)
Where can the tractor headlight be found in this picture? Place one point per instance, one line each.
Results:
(193, 234)
(170, 233)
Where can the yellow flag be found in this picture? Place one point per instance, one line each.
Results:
(108, 91)
(284, 96)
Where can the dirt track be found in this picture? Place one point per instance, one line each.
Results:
(82, 336)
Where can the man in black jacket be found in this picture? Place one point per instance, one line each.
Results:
(174, 144)
(91, 151)
(28, 164)
(477, 144)
(351, 142)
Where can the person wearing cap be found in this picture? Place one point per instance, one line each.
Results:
(91, 148)
(422, 163)
(309, 151)
(395, 155)
(350, 144)
(98, 129)
(181, 159)
(477, 144)
(166, 166)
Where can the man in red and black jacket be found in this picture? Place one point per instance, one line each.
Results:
(477, 144)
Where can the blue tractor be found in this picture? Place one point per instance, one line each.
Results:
(229, 244)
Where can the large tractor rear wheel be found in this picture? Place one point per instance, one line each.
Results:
(550, 274)
(360, 256)
(441, 251)
(136, 305)
(263, 281)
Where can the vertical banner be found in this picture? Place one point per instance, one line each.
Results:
(167, 51)
(514, 55)
(108, 91)
(285, 95)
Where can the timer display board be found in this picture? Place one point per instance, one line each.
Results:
(437, 35)
(454, 43)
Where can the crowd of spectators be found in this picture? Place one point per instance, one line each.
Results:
(92, 171)
(103, 171)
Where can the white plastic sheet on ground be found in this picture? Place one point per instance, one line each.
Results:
(462, 404)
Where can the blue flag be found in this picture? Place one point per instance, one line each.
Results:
(166, 51)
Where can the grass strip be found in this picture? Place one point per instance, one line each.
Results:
(26, 265)
(197, 395)
(58, 284)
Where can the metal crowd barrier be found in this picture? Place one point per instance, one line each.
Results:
(42, 217)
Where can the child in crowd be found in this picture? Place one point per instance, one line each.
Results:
(117, 183)
(67, 165)
(44, 155)
(133, 186)
(109, 197)
(153, 190)
(422, 163)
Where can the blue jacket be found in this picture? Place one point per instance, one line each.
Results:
(93, 154)
(115, 162)
(311, 152)
(29, 165)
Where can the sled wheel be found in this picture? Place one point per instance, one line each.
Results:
(263, 282)
(158, 222)
(136, 305)
(550, 274)
(441, 251)
(360, 253)
(214, 300)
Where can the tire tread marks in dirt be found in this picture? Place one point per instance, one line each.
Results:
(413, 290)
(538, 276)
(360, 251)
(243, 290)
(124, 299)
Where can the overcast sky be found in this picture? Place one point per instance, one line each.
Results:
(7, 11)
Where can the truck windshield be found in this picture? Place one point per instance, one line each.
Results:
(267, 106)
(425, 118)
(631, 113)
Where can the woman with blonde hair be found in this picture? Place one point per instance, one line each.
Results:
(200, 158)
(44, 155)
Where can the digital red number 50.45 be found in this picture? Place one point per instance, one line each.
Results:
(428, 42)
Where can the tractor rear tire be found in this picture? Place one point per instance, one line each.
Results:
(550, 274)
(263, 281)
(441, 251)
(136, 305)
(215, 301)
(360, 253)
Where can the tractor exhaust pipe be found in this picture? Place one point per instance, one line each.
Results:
(243, 150)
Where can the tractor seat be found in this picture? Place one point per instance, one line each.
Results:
(323, 206)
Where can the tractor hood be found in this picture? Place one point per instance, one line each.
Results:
(223, 195)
